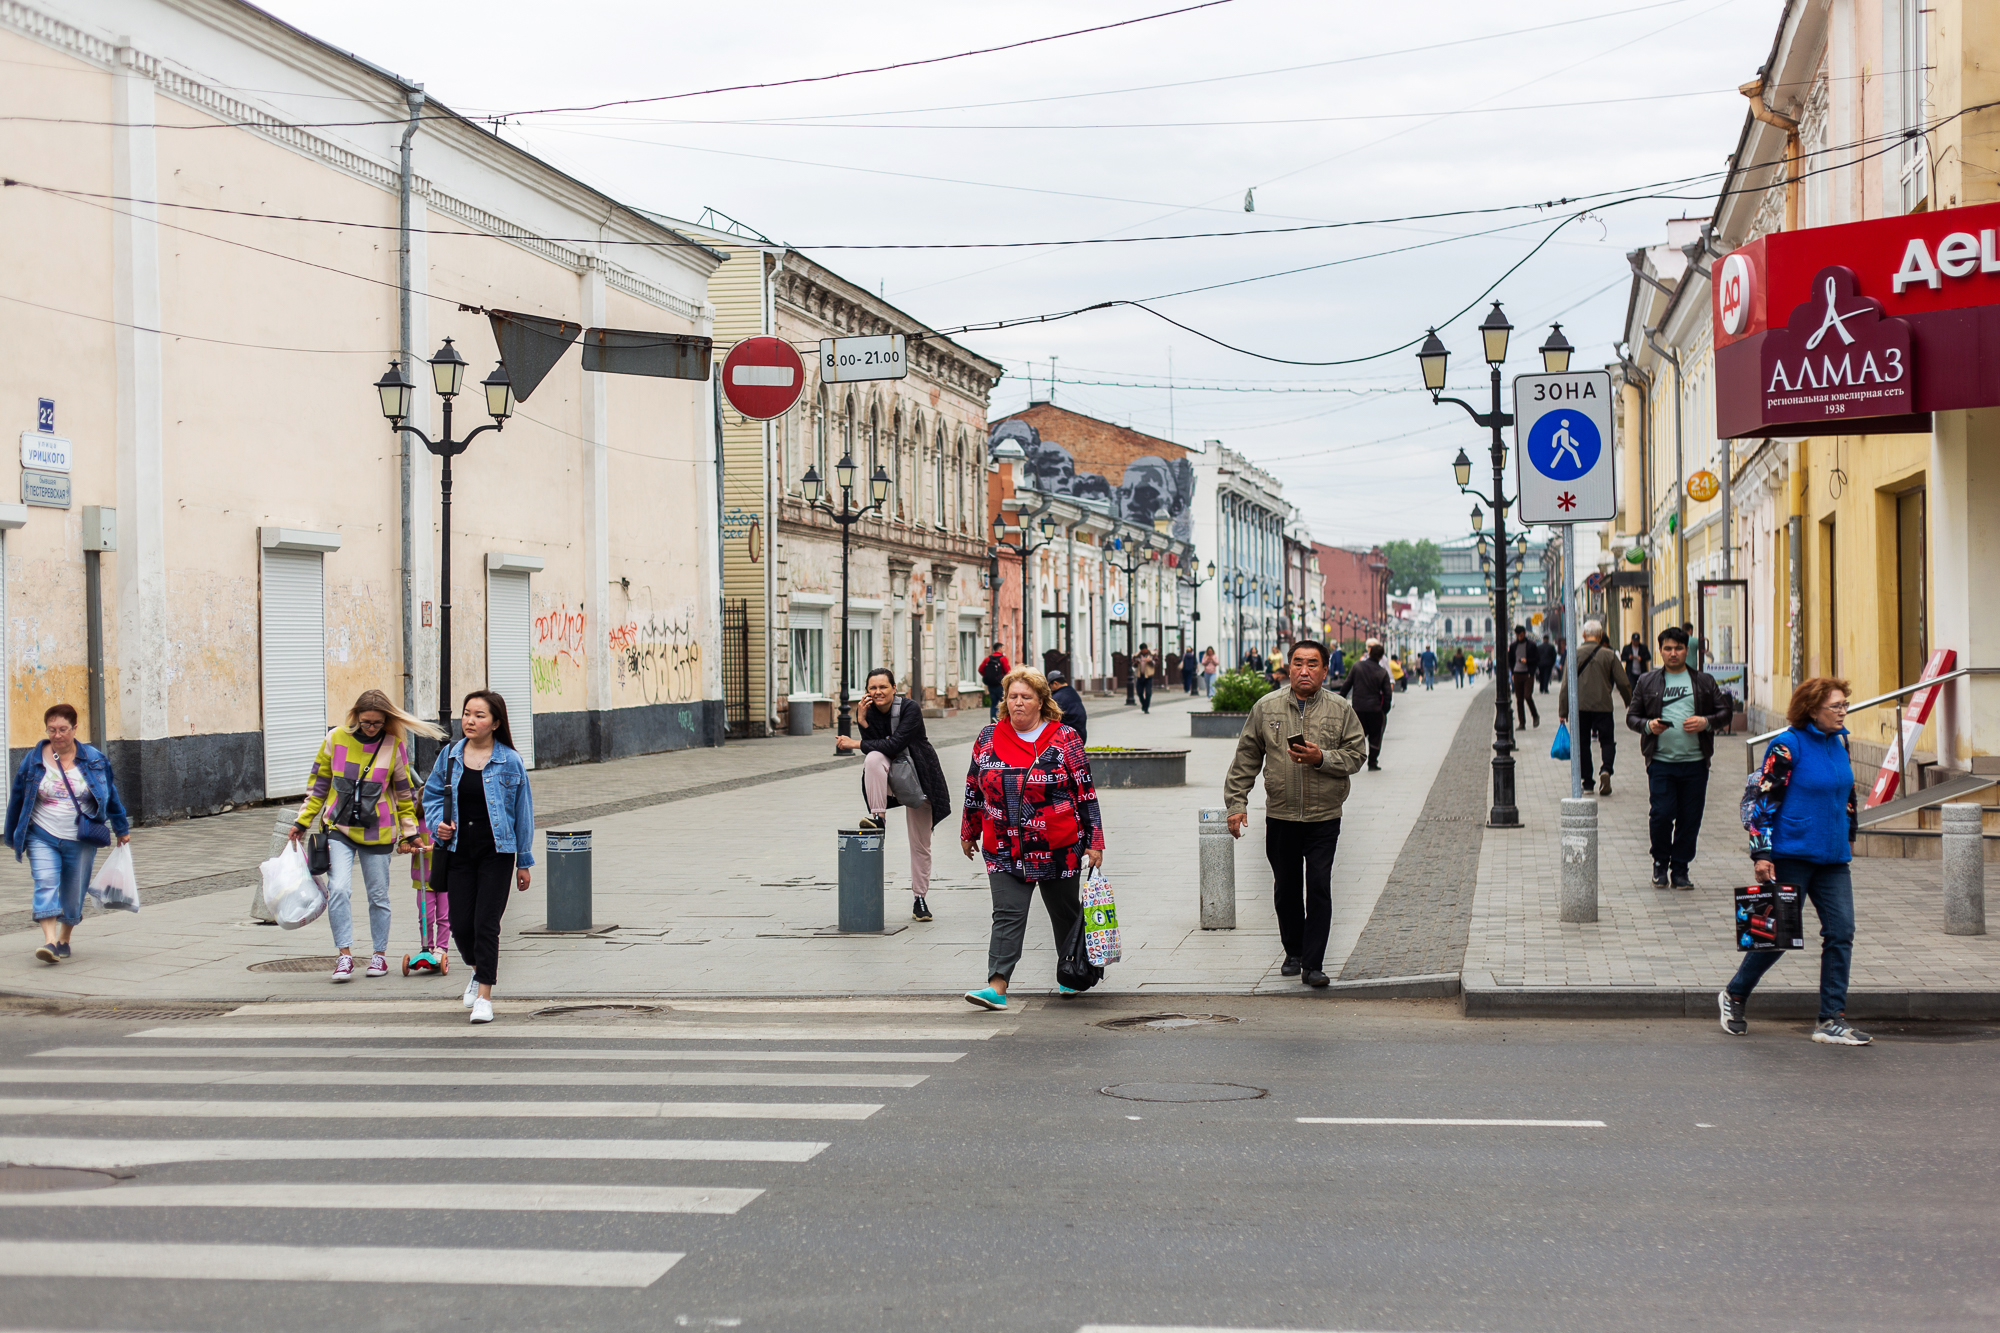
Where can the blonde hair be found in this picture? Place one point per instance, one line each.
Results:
(1037, 682)
(399, 723)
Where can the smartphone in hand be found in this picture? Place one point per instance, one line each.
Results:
(1297, 742)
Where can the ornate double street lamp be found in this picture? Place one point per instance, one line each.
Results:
(847, 516)
(1135, 556)
(1493, 334)
(1193, 580)
(1023, 548)
(397, 393)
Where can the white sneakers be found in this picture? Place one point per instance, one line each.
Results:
(471, 991)
(482, 1011)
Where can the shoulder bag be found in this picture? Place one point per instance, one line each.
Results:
(904, 781)
(90, 828)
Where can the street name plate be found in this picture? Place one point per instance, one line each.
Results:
(1562, 448)
(50, 453)
(842, 360)
(49, 490)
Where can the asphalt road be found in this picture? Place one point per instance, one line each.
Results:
(1756, 1184)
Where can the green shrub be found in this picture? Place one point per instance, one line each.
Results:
(1236, 690)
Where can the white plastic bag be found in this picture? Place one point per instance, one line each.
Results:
(116, 883)
(294, 895)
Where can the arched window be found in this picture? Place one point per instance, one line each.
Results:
(1447, 624)
(1489, 624)
(938, 518)
(875, 440)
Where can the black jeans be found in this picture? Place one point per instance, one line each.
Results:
(1371, 727)
(1831, 888)
(1524, 698)
(1301, 857)
(1590, 724)
(1678, 794)
(480, 885)
(1144, 685)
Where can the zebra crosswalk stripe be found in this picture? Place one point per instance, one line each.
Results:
(110, 1154)
(459, 1078)
(428, 1053)
(234, 1030)
(456, 1198)
(332, 1263)
(373, 1110)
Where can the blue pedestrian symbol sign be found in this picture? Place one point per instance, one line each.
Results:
(1562, 447)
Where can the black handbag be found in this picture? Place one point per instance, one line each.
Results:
(90, 828)
(1073, 966)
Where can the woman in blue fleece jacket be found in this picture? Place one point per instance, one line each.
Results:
(1802, 828)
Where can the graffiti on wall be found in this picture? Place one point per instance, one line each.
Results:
(660, 655)
(559, 641)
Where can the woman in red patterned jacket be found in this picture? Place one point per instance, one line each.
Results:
(1031, 808)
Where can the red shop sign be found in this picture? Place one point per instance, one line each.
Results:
(1902, 316)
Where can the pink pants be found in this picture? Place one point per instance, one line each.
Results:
(875, 786)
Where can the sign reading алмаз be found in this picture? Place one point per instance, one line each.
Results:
(1865, 328)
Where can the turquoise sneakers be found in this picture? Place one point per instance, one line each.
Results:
(987, 998)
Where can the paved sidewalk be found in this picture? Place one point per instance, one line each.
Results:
(731, 892)
(1665, 951)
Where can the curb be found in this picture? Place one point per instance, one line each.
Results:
(1482, 997)
(1431, 986)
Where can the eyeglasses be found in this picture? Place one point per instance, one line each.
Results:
(1840, 707)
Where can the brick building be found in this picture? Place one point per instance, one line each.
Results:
(1356, 599)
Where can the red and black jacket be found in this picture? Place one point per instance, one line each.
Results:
(1032, 820)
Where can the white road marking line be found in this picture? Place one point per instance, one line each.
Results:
(462, 1078)
(635, 1031)
(366, 1008)
(369, 1110)
(1388, 1120)
(333, 1263)
(457, 1198)
(118, 1154)
(497, 1053)
(1182, 1328)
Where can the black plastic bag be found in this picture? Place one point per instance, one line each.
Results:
(1073, 965)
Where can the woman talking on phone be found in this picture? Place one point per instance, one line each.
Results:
(478, 801)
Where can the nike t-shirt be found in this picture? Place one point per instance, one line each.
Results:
(1677, 706)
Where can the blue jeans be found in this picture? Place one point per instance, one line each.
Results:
(1831, 888)
(61, 867)
(340, 888)
(1678, 793)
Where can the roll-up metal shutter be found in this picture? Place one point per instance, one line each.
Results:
(294, 653)
(509, 671)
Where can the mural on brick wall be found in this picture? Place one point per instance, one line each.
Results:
(1150, 488)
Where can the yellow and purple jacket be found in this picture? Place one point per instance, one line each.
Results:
(371, 785)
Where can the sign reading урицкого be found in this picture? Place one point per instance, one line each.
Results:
(1863, 328)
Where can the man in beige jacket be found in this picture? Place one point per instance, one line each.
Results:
(1598, 674)
(1306, 740)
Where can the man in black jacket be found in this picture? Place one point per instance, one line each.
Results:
(1676, 711)
(1371, 690)
(1545, 663)
(1073, 715)
(1522, 660)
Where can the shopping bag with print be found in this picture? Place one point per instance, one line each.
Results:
(116, 883)
(1100, 922)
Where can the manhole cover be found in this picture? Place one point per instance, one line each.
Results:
(1165, 1022)
(1184, 1092)
(1952, 1033)
(595, 1010)
(44, 1179)
(295, 965)
(145, 1015)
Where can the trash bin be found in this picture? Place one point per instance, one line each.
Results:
(568, 879)
(861, 880)
(799, 715)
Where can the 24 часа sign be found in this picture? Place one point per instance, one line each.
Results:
(1864, 328)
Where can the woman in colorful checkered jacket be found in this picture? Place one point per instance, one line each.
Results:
(1031, 808)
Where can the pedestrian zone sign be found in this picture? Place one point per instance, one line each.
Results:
(1562, 448)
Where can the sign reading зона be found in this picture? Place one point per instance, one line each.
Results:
(1863, 328)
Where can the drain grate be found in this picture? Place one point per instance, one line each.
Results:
(49, 1179)
(596, 1010)
(1165, 1022)
(146, 1015)
(296, 964)
(1185, 1092)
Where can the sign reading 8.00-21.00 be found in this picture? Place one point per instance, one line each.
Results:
(883, 357)
(1562, 448)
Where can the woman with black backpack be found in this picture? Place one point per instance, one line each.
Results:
(892, 732)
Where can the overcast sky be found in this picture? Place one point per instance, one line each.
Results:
(1331, 112)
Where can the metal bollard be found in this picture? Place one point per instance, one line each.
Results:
(280, 831)
(1964, 870)
(568, 879)
(861, 881)
(1218, 870)
(1579, 848)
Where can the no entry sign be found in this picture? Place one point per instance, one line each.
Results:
(762, 377)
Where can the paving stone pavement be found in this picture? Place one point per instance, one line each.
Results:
(1647, 937)
(1420, 924)
(732, 893)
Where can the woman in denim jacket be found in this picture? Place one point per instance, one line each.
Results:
(61, 784)
(478, 802)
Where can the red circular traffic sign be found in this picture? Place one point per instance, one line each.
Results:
(762, 377)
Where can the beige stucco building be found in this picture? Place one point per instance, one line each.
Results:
(201, 277)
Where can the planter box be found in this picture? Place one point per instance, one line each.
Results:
(1216, 726)
(1138, 768)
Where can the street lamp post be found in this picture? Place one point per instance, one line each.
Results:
(1493, 334)
(847, 516)
(1023, 548)
(1194, 586)
(397, 394)
(1131, 567)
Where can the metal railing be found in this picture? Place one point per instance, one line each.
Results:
(1902, 759)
